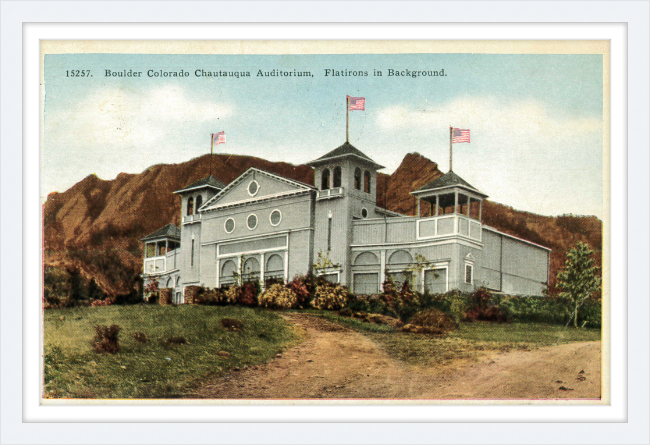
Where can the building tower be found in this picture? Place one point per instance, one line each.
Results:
(346, 183)
(193, 197)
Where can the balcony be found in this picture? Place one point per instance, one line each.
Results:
(336, 192)
(411, 229)
(191, 218)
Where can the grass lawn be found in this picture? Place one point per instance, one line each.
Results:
(469, 342)
(154, 369)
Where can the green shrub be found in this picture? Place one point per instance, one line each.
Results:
(403, 302)
(457, 307)
(330, 296)
(533, 309)
(278, 297)
(591, 314)
(211, 297)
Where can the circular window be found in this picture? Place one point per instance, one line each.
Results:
(251, 221)
(276, 217)
(253, 187)
(229, 225)
(364, 212)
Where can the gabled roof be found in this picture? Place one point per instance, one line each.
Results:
(301, 186)
(449, 179)
(345, 150)
(208, 181)
(169, 231)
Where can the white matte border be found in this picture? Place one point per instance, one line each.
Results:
(635, 430)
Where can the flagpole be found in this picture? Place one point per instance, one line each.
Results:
(451, 144)
(211, 150)
(347, 118)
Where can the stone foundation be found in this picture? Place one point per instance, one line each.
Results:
(165, 296)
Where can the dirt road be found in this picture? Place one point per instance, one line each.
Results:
(334, 362)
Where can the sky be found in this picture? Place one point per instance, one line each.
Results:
(536, 121)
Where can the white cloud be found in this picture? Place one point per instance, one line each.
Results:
(124, 118)
(120, 129)
(523, 119)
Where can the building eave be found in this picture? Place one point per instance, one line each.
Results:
(492, 229)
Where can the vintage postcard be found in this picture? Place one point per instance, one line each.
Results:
(325, 222)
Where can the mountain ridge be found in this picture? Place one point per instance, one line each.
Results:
(95, 226)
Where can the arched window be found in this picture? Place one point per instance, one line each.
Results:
(251, 269)
(357, 178)
(366, 181)
(190, 206)
(366, 259)
(337, 177)
(325, 180)
(199, 202)
(228, 269)
(274, 267)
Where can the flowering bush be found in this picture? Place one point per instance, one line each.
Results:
(278, 296)
(245, 294)
(211, 297)
(481, 307)
(106, 302)
(301, 285)
(330, 296)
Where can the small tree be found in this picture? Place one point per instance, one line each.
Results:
(579, 279)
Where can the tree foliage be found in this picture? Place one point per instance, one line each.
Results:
(579, 279)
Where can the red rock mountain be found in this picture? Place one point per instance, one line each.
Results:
(95, 226)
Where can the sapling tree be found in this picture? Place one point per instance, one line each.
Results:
(579, 279)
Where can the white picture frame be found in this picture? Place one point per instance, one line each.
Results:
(25, 421)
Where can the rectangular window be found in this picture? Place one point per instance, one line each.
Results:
(331, 277)
(469, 270)
(366, 283)
(192, 255)
(400, 277)
(329, 234)
(151, 250)
(435, 281)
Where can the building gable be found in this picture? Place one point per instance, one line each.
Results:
(254, 185)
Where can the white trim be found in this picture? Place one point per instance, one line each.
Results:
(271, 217)
(196, 188)
(492, 229)
(424, 243)
(257, 221)
(473, 190)
(382, 265)
(234, 224)
(328, 160)
(249, 237)
(258, 199)
(253, 252)
(471, 265)
(304, 187)
(248, 188)
(331, 271)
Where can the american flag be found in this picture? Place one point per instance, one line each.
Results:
(219, 138)
(460, 136)
(357, 103)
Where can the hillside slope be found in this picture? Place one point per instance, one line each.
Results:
(95, 226)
